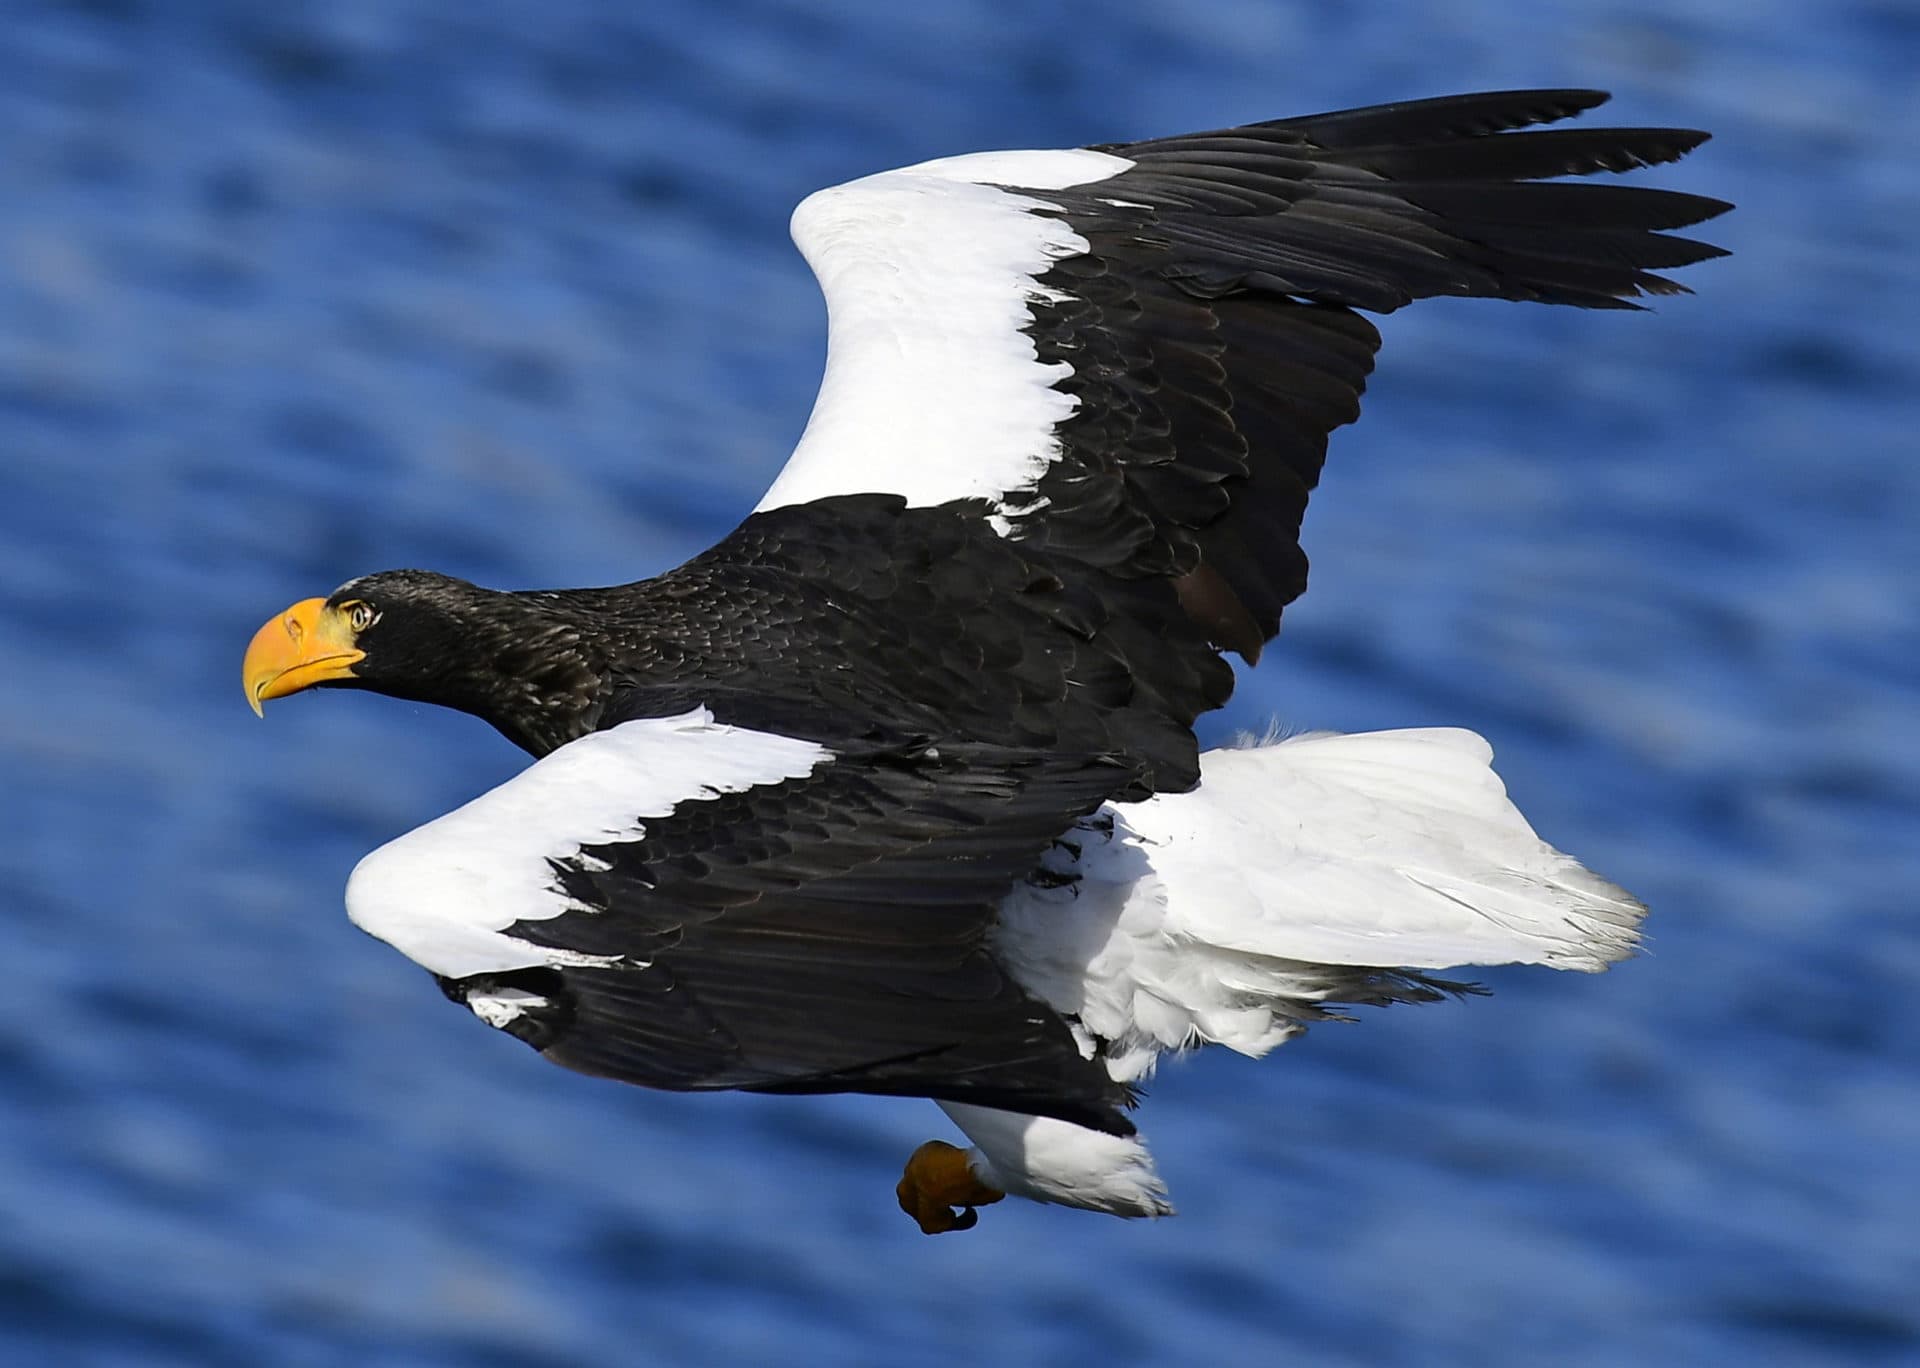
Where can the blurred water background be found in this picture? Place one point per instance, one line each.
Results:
(289, 293)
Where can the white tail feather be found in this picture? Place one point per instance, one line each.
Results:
(1301, 874)
(1297, 876)
(1398, 849)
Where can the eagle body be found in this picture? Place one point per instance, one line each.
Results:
(895, 789)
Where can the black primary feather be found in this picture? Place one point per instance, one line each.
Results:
(1210, 325)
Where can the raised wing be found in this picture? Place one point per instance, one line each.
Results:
(686, 905)
(1133, 354)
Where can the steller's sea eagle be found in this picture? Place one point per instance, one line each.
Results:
(895, 790)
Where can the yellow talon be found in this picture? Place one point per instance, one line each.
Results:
(936, 1181)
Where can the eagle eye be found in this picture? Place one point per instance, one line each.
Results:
(360, 615)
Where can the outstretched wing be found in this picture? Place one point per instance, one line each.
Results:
(1133, 354)
(686, 905)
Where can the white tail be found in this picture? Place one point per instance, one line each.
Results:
(1301, 874)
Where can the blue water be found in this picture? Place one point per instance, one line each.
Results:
(504, 290)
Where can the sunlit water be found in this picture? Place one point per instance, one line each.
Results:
(505, 291)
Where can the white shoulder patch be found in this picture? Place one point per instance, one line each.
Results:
(1049, 169)
(932, 391)
(444, 893)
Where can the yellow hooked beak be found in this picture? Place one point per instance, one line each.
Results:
(308, 644)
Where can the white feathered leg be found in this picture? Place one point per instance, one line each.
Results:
(1045, 1160)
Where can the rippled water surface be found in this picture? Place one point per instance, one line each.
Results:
(505, 291)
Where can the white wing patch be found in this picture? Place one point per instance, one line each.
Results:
(932, 391)
(444, 893)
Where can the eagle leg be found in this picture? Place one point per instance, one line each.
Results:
(937, 1179)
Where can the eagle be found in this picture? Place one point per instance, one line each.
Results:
(895, 790)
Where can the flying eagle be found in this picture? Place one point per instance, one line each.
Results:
(895, 790)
